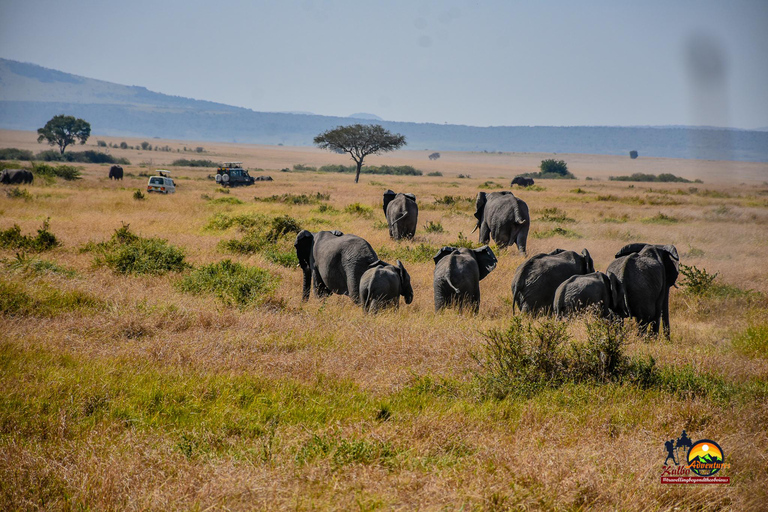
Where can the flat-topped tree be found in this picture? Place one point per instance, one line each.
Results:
(360, 140)
(64, 130)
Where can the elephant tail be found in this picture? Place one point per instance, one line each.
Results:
(400, 218)
(451, 269)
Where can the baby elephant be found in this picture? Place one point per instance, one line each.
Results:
(383, 284)
(581, 291)
(457, 276)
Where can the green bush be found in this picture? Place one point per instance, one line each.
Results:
(661, 178)
(271, 237)
(18, 193)
(12, 238)
(233, 283)
(85, 157)
(67, 172)
(128, 253)
(183, 162)
(414, 253)
(555, 215)
(28, 265)
(552, 166)
(223, 221)
(295, 198)
(16, 300)
(556, 231)
(490, 185)
(433, 227)
(753, 342)
(399, 170)
(15, 154)
(138, 195)
(359, 209)
(434, 173)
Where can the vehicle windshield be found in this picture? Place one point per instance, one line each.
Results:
(156, 181)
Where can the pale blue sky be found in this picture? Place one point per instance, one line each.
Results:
(457, 61)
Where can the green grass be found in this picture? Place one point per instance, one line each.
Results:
(296, 198)
(222, 221)
(43, 300)
(18, 193)
(753, 341)
(556, 231)
(490, 185)
(25, 264)
(225, 200)
(433, 227)
(410, 253)
(660, 218)
(554, 214)
(128, 253)
(262, 234)
(358, 209)
(235, 284)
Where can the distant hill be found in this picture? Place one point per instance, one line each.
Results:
(363, 115)
(30, 95)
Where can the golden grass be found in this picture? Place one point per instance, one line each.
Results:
(79, 425)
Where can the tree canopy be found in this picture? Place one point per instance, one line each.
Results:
(359, 141)
(64, 130)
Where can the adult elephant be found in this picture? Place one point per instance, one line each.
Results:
(537, 279)
(116, 172)
(402, 214)
(16, 176)
(596, 289)
(503, 217)
(647, 272)
(457, 276)
(522, 181)
(333, 262)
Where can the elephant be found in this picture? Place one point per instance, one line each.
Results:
(116, 172)
(504, 217)
(333, 262)
(537, 279)
(402, 214)
(522, 181)
(383, 284)
(16, 176)
(263, 178)
(458, 273)
(647, 272)
(581, 291)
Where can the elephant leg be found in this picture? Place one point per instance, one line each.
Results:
(353, 287)
(665, 314)
(522, 239)
(485, 233)
(321, 290)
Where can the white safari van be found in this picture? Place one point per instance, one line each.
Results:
(162, 183)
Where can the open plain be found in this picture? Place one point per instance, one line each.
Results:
(125, 391)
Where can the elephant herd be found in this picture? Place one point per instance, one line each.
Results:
(636, 283)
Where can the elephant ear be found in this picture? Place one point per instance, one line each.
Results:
(617, 296)
(336, 232)
(590, 265)
(388, 197)
(486, 260)
(410, 196)
(672, 250)
(303, 244)
(630, 248)
(480, 208)
(671, 263)
(377, 263)
(442, 253)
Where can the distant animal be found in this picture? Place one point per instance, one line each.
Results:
(503, 217)
(537, 279)
(434, 156)
(116, 172)
(646, 273)
(581, 291)
(457, 276)
(402, 214)
(382, 285)
(333, 262)
(522, 181)
(263, 178)
(16, 176)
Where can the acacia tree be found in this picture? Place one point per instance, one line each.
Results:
(360, 141)
(64, 130)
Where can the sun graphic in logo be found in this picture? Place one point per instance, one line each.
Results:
(705, 458)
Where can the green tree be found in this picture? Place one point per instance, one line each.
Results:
(64, 130)
(553, 166)
(360, 141)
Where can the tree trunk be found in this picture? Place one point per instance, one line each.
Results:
(359, 167)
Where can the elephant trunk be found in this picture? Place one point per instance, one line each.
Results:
(307, 284)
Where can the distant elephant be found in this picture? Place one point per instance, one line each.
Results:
(402, 214)
(581, 291)
(333, 262)
(647, 272)
(16, 176)
(458, 273)
(383, 284)
(263, 178)
(116, 172)
(537, 279)
(522, 181)
(503, 217)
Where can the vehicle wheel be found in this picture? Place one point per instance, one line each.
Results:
(225, 178)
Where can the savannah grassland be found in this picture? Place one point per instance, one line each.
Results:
(121, 391)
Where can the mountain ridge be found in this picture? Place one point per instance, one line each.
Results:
(30, 95)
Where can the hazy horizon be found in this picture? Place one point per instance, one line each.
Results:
(492, 64)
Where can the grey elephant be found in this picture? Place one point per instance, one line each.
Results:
(596, 289)
(503, 217)
(116, 172)
(16, 176)
(402, 214)
(537, 279)
(333, 262)
(458, 273)
(382, 285)
(647, 272)
(522, 181)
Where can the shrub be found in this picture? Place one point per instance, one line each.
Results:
(696, 281)
(433, 227)
(556, 231)
(18, 193)
(660, 218)
(270, 236)
(13, 239)
(753, 342)
(359, 209)
(183, 162)
(552, 166)
(68, 172)
(15, 300)
(146, 146)
(400, 170)
(225, 200)
(661, 178)
(295, 198)
(28, 265)
(434, 173)
(15, 154)
(128, 253)
(101, 143)
(633, 154)
(233, 283)
(123, 145)
(454, 201)
(87, 157)
(138, 195)
(490, 185)
(555, 215)
(418, 254)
